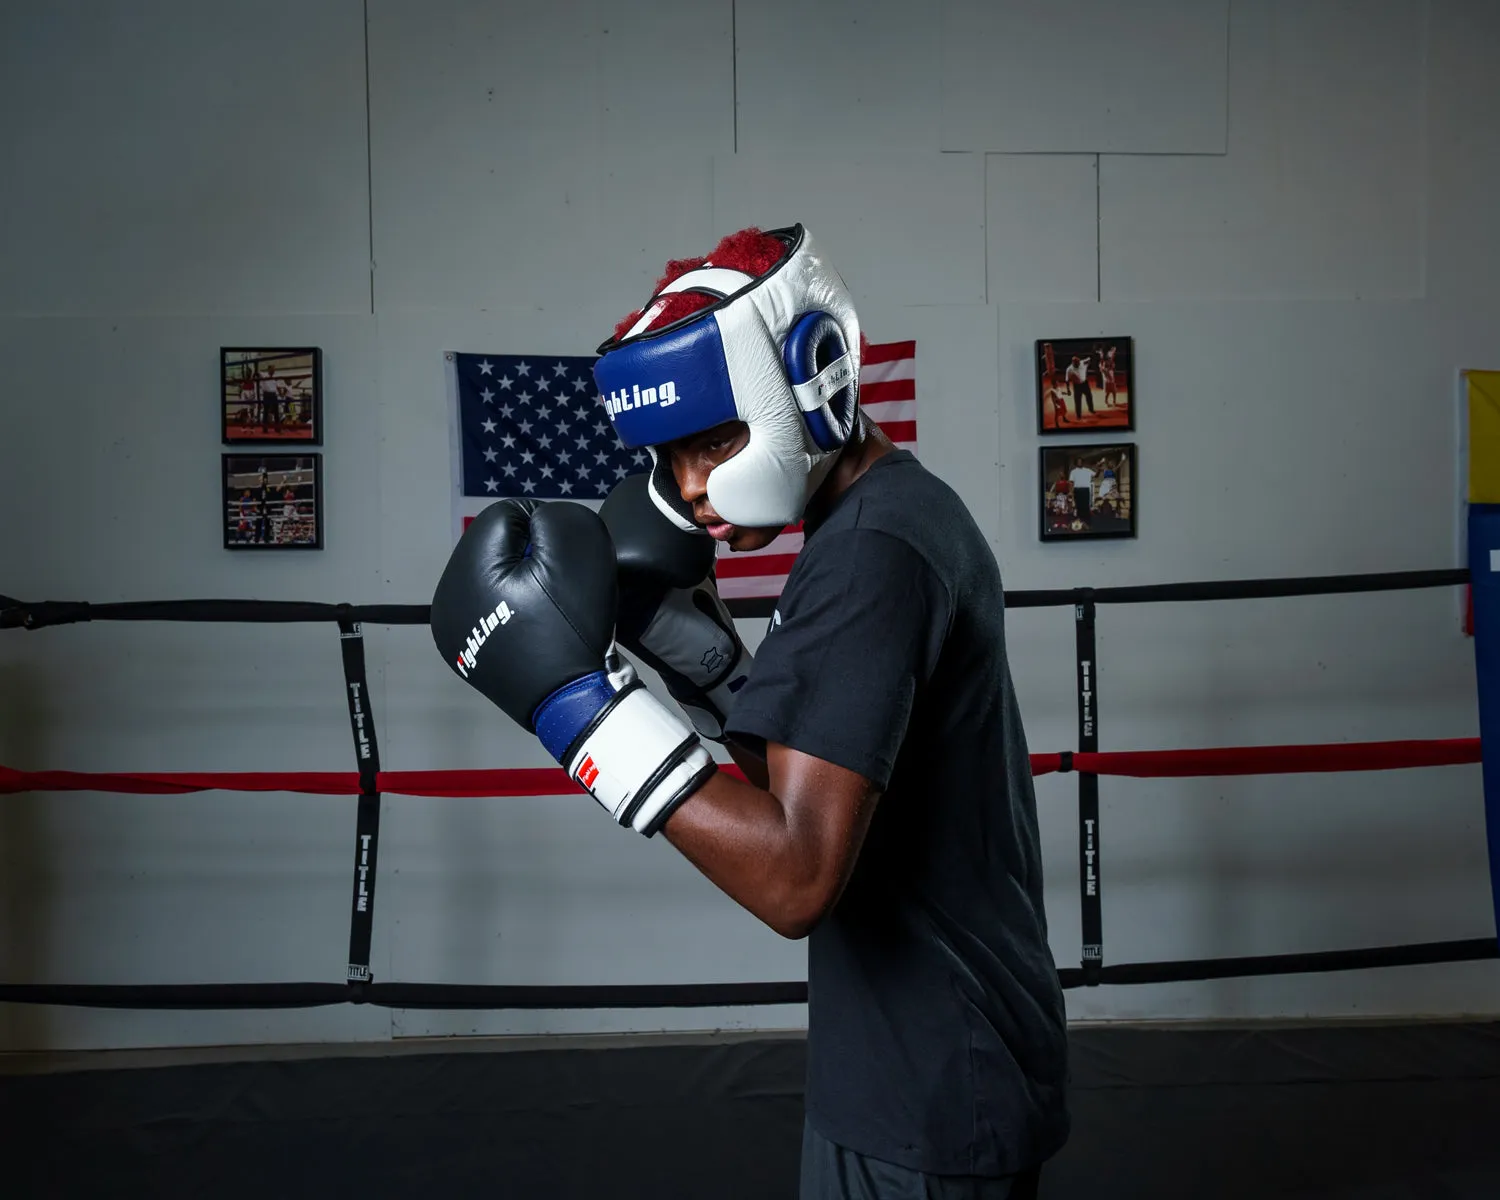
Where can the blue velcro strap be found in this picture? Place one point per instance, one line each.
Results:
(561, 717)
(666, 387)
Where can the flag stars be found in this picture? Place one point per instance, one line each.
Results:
(537, 428)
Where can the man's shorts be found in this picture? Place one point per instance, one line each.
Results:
(830, 1172)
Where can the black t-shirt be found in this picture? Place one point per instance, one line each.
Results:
(937, 1036)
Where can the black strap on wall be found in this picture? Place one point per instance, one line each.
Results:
(367, 822)
(1089, 882)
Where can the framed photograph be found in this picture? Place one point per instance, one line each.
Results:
(1088, 491)
(273, 501)
(1085, 384)
(271, 395)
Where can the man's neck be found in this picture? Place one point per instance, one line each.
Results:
(864, 448)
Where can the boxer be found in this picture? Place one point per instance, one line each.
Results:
(887, 812)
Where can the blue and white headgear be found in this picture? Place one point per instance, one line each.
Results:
(780, 352)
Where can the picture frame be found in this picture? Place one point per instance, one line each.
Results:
(1087, 491)
(1085, 385)
(269, 395)
(272, 501)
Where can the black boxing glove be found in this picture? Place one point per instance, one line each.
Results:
(524, 613)
(670, 612)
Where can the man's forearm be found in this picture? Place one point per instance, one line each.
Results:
(739, 836)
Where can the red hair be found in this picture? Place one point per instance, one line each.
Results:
(749, 250)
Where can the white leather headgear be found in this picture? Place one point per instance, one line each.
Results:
(780, 352)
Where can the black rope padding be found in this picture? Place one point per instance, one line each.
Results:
(674, 995)
(51, 612)
(1241, 589)
(403, 995)
(1473, 950)
(177, 996)
(15, 614)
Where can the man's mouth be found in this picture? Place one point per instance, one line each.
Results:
(720, 531)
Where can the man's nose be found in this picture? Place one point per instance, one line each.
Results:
(692, 478)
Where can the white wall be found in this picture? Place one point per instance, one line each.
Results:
(1283, 201)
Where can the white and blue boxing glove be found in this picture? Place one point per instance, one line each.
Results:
(524, 613)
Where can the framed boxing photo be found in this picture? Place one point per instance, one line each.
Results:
(1084, 385)
(269, 395)
(273, 501)
(1088, 491)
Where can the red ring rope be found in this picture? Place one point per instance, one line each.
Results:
(551, 781)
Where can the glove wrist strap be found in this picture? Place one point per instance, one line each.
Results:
(635, 756)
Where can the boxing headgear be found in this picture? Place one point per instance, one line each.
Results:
(779, 352)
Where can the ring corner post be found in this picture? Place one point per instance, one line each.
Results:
(1484, 579)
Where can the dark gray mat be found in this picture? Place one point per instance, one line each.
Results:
(1352, 1113)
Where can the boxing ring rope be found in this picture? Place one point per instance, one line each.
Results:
(369, 783)
(554, 781)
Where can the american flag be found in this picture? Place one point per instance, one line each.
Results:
(531, 425)
(528, 425)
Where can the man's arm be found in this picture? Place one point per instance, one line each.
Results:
(783, 852)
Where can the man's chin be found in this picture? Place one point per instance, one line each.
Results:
(744, 540)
